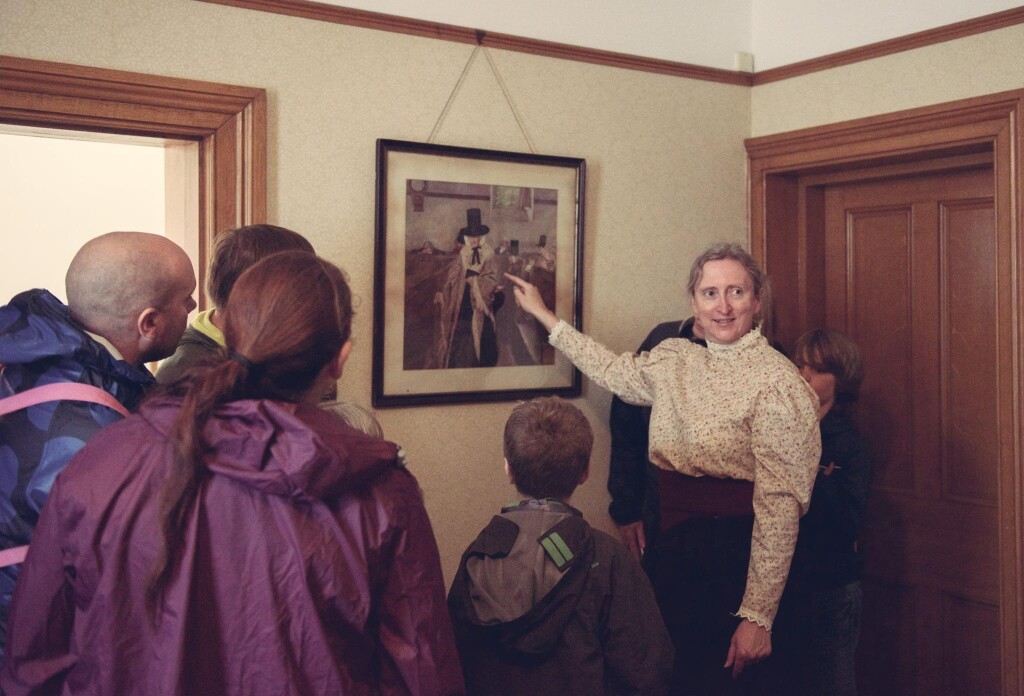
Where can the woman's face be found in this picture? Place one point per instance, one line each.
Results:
(723, 302)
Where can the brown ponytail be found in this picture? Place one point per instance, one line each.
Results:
(287, 317)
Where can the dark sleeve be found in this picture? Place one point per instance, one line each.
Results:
(638, 650)
(418, 654)
(38, 653)
(171, 368)
(627, 467)
(189, 354)
(838, 501)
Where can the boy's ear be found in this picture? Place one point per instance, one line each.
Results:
(585, 476)
(508, 472)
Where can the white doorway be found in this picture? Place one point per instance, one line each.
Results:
(60, 188)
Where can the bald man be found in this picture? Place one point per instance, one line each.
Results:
(129, 296)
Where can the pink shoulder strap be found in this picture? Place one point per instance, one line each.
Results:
(60, 391)
(9, 557)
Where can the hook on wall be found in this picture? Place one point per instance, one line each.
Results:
(480, 36)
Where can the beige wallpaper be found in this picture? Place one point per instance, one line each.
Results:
(973, 66)
(666, 176)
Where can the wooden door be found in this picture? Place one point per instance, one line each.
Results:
(910, 274)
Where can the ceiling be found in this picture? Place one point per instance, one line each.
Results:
(708, 33)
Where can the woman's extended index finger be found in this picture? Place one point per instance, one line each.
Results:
(517, 280)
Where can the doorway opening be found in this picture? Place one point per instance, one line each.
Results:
(61, 188)
(213, 136)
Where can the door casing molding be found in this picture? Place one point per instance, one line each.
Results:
(783, 220)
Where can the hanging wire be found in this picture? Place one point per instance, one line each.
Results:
(451, 97)
(501, 84)
(508, 99)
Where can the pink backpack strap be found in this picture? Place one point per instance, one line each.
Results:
(9, 557)
(60, 391)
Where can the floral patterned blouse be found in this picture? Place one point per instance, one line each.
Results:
(738, 411)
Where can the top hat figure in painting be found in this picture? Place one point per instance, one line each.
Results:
(468, 299)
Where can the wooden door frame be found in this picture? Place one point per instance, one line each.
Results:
(781, 215)
(228, 123)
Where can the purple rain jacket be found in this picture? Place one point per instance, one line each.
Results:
(309, 567)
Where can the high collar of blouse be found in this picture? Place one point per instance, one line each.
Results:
(750, 339)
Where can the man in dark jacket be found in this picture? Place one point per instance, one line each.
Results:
(824, 593)
(632, 479)
(129, 295)
(542, 603)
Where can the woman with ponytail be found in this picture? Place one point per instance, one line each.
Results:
(234, 538)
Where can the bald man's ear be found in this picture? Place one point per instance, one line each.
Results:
(136, 346)
(148, 324)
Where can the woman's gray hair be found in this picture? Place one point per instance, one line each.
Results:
(727, 250)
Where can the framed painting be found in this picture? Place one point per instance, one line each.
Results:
(451, 222)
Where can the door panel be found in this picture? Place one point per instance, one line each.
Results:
(971, 436)
(889, 619)
(971, 645)
(910, 269)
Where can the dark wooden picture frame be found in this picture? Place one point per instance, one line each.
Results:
(450, 222)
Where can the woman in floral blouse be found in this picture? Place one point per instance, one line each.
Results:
(734, 432)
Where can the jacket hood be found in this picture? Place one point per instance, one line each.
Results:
(520, 581)
(37, 326)
(285, 449)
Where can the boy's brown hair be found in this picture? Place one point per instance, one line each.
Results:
(236, 250)
(547, 446)
(831, 351)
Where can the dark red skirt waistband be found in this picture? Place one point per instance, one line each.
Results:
(683, 497)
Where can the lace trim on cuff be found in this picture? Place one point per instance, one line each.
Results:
(755, 617)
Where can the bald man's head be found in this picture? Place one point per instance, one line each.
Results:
(134, 289)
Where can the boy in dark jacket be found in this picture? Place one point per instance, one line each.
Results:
(824, 593)
(542, 603)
